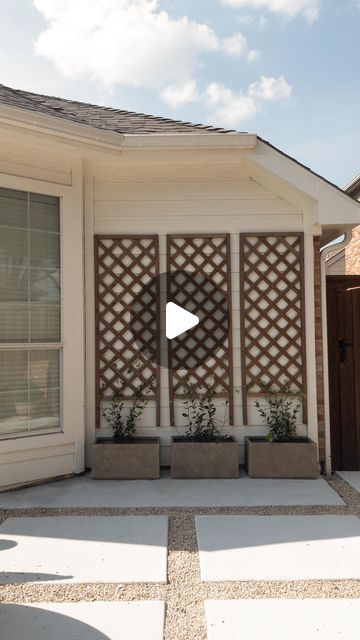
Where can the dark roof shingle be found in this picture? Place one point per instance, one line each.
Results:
(108, 118)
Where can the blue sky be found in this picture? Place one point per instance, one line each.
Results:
(285, 69)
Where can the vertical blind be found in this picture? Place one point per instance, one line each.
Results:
(30, 311)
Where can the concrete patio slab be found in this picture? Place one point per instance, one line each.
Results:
(352, 477)
(283, 619)
(83, 621)
(278, 547)
(123, 549)
(244, 492)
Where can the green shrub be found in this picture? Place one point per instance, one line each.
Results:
(200, 414)
(281, 412)
(124, 426)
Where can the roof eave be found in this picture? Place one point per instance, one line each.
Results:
(89, 134)
(353, 186)
(335, 207)
(59, 127)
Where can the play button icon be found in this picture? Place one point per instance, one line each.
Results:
(178, 320)
(191, 312)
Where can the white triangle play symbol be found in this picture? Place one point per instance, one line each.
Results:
(178, 320)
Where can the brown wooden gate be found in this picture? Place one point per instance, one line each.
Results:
(343, 309)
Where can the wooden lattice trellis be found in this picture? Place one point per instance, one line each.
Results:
(272, 320)
(127, 301)
(199, 279)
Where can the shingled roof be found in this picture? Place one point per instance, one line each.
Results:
(123, 122)
(117, 120)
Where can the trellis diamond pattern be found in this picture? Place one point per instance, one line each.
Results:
(124, 265)
(199, 280)
(272, 313)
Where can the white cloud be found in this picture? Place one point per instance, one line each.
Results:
(179, 95)
(270, 89)
(234, 45)
(253, 55)
(127, 42)
(289, 8)
(231, 108)
(134, 43)
(248, 20)
(262, 22)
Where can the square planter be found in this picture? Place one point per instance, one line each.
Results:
(135, 459)
(204, 459)
(296, 459)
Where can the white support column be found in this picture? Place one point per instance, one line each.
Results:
(310, 336)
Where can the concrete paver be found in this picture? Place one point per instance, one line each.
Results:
(83, 621)
(242, 492)
(352, 477)
(123, 549)
(283, 619)
(278, 547)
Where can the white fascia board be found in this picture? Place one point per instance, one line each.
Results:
(87, 134)
(59, 127)
(190, 141)
(353, 187)
(334, 206)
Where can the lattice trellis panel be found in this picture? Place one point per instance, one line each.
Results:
(127, 317)
(272, 318)
(199, 279)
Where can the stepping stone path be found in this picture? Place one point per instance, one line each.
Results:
(166, 492)
(278, 547)
(78, 560)
(83, 621)
(85, 549)
(352, 477)
(283, 619)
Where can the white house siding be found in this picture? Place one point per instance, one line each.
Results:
(196, 197)
(107, 193)
(43, 166)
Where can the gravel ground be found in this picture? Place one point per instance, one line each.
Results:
(184, 594)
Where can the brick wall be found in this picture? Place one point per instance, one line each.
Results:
(319, 352)
(352, 254)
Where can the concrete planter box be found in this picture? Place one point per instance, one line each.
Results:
(204, 459)
(135, 459)
(297, 459)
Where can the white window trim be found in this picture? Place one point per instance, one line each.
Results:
(72, 322)
(45, 346)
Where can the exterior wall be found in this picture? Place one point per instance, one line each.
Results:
(35, 168)
(191, 197)
(352, 254)
(335, 264)
(346, 261)
(124, 196)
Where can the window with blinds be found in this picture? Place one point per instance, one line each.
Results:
(30, 312)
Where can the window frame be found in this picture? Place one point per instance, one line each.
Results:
(43, 346)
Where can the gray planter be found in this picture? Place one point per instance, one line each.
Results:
(135, 459)
(204, 459)
(296, 459)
